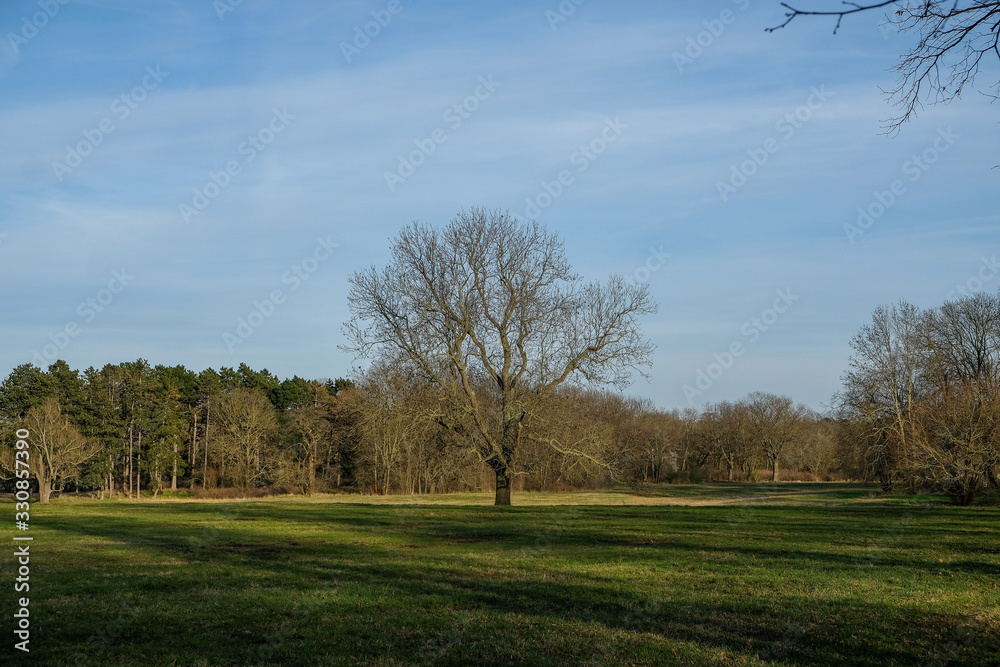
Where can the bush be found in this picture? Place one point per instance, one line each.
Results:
(796, 476)
(698, 475)
(230, 493)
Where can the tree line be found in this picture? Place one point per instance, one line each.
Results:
(130, 428)
(487, 353)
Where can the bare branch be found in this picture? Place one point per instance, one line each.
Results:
(954, 37)
(793, 13)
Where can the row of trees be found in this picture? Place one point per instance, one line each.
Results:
(921, 400)
(131, 427)
(486, 352)
(920, 412)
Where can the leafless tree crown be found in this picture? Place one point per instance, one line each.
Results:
(489, 310)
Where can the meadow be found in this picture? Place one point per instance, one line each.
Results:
(777, 574)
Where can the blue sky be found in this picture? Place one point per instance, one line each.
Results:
(115, 115)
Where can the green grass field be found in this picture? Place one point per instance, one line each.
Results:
(746, 574)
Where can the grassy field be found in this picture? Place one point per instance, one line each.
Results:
(743, 574)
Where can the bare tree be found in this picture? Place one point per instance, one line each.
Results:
(957, 428)
(57, 447)
(963, 341)
(816, 452)
(922, 398)
(772, 422)
(726, 427)
(491, 312)
(953, 39)
(881, 387)
(246, 425)
(392, 419)
(956, 440)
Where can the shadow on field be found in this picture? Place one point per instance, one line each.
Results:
(756, 492)
(403, 576)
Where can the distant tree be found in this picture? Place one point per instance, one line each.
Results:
(210, 388)
(338, 385)
(489, 309)
(772, 422)
(292, 393)
(954, 37)
(393, 422)
(342, 461)
(104, 424)
(137, 397)
(25, 387)
(247, 425)
(881, 387)
(313, 434)
(921, 401)
(957, 426)
(57, 447)
(727, 426)
(177, 397)
(816, 451)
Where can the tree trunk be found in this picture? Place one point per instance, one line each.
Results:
(138, 468)
(173, 477)
(508, 446)
(312, 469)
(502, 471)
(44, 489)
(128, 466)
(204, 455)
(774, 469)
(503, 486)
(193, 454)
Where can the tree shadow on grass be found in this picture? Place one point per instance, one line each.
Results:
(472, 570)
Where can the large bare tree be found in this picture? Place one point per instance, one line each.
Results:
(489, 309)
(953, 39)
